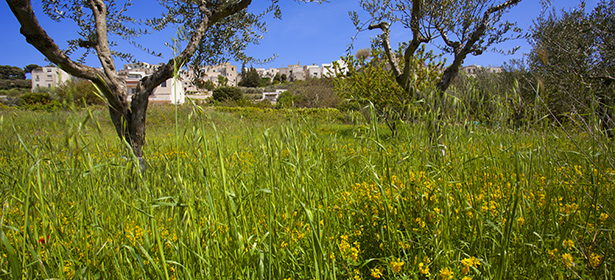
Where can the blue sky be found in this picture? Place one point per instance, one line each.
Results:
(308, 33)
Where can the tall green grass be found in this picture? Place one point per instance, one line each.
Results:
(258, 194)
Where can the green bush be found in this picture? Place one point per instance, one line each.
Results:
(79, 92)
(36, 98)
(40, 101)
(15, 83)
(222, 94)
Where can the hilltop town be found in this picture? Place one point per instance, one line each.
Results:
(175, 90)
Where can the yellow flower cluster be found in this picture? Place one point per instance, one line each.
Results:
(567, 259)
(594, 260)
(468, 263)
(423, 268)
(396, 265)
(446, 273)
(376, 273)
(568, 244)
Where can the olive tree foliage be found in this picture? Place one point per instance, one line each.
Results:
(458, 27)
(368, 82)
(573, 58)
(211, 31)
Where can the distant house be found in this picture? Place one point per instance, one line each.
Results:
(170, 91)
(273, 96)
(329, 69)
(293, 72)
(312, 71)
(226, 70)
(474, 69)
(49, 77)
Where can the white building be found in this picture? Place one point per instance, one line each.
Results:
(170, 91)
(474, 69)
(312, 71)
(273, 96)
(49, 77)
(330, 69)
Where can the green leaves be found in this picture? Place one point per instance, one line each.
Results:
(369, 79)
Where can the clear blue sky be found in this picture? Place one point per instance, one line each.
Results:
(308, 33)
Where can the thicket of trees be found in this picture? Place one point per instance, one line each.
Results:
(249, 78)
(13, 77)
(573, 60)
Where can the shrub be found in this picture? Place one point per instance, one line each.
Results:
(79, 92)
(39, 101)
(314, 93)
(222, 94)
(36, 98)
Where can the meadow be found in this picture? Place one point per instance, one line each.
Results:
(304, 194)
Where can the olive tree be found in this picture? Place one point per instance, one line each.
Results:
(458, 27)
(572, 56)
(211, 31)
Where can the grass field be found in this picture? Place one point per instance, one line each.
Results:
(259, 194)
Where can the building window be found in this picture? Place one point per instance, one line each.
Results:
(133, 90)
(164, 84)
(48, 85)
(36, 79)
(48, 70)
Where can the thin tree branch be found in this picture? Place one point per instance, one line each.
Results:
(36, 36)
(386, 44)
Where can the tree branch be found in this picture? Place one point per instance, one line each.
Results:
(454, 45)
(209, 18)
(451, 71)
(386, 44)
(99, 9)
(37, 37)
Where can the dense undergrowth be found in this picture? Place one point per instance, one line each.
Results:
(261, 194)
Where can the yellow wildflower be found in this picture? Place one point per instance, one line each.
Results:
(376, 273)
(424, 269)
(354, 253)
(446, 273)
(469, 262)
(357, 274)
(603, 217)
(568, 243)
(552, 254)
(594, 260)
(466, 278)
(396, 265)
(567, 259)
(521, 221)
